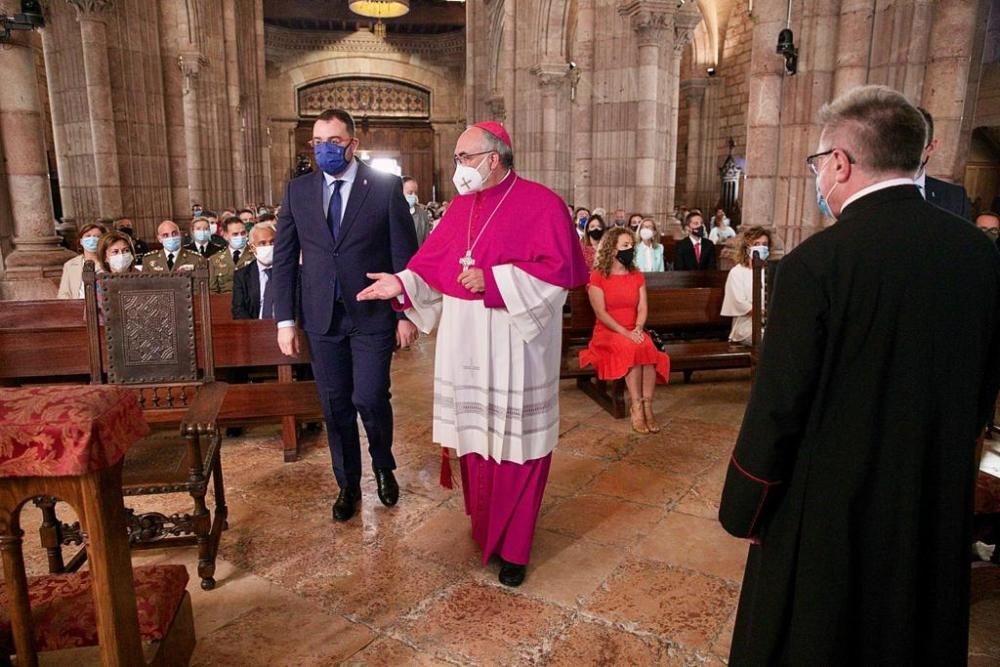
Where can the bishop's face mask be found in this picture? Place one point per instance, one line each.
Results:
(467, 179)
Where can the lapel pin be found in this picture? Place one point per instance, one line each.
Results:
(364, 182)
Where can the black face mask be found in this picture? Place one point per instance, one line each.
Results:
(633, 227)
(698, 232)
(595, 234)
(626, 257)
(126, 230)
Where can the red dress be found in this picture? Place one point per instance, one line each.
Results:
(613, 354)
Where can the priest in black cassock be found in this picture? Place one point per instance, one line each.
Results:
(853, 472)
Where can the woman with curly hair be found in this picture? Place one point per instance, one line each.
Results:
(619, 348)
(738, 301)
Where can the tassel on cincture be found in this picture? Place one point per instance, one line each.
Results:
(446, 480)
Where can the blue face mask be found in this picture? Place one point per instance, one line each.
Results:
(330, 158)
(821, 199)
(582, 222)
(237, 242)
(762, 250)
(89, 243)
(411, 200)
(172, 244)
(202, 235)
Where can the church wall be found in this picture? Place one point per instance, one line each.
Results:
(296, 58)
(734, 73)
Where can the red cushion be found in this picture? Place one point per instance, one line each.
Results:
(62, 608)
(66, 429)
(987, 493)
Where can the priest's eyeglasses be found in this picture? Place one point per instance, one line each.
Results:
(811, 160)
(463, 158)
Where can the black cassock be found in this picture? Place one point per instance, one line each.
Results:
(854, 468)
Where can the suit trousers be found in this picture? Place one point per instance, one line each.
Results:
(352, 375)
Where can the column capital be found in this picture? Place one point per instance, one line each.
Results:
(551, 76)
(651, 20)
(91, 8)
(686, 21)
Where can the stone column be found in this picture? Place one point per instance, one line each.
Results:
(36, 251)
(686, 20)
(93, 17)
(551, 77)
(694, 92)
(652, 21)
(59, 139)
(190, 63)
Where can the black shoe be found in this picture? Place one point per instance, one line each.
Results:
(512, 574)
(388, 489)
(347, 501)
(234, 432)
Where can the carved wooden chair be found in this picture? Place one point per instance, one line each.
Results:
(142, 334)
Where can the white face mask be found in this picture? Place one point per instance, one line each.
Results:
(646, 234)
(119, 263)
(264, 254)
(468, 179)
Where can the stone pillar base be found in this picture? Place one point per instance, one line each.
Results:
(33, 269)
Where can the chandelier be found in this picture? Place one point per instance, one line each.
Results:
(380, 9)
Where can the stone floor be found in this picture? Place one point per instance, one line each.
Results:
(630, 566)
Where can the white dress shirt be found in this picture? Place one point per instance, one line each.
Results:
(875, 187)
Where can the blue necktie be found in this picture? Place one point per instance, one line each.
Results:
(333, 210)
(267, 302)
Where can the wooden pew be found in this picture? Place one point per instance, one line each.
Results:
(47, 342)
(684, 308)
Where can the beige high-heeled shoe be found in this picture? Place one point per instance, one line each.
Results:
(638, 417)
(648, 415)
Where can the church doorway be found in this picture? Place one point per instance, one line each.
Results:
(393, 124)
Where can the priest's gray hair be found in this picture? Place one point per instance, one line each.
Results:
(878, 127)
(492, 142)
(260, 226)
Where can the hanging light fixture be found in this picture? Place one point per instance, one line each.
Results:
(379, 10)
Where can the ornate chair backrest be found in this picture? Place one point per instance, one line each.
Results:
(149, 327)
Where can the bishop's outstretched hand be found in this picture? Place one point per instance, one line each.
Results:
(386, 286)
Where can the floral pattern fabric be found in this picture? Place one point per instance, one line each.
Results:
(62, 607)
(66, 430)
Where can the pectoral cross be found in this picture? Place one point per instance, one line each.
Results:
(467, 261)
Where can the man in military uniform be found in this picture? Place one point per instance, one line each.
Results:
(223, 265)
(201, 239)
(172, 257)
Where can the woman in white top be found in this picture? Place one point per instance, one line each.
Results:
(738, 301)
(648, 251)
(721, 229)
(71, 283)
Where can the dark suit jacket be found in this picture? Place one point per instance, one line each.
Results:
(854, 464)
(684, 259)
(376, 235)
(210, 248)
(246, 292)
(948, 196)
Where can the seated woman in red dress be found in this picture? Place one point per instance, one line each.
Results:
(619, 348)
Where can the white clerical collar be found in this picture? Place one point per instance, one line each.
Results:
(349, 175)
(875, 187)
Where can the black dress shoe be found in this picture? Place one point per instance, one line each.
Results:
(512, 574)
(347, 501)
(388, 489)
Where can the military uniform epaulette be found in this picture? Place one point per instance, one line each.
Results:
(221, 269)
(183, 260)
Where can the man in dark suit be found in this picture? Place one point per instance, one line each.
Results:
(694, 252)
(853, 472)
(949, 196)
(346, 220)
(253, 296)
(201, 238)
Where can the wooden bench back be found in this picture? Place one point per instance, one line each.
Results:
(677, 300)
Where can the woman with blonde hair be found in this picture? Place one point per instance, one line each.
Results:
(738, 300)
(619, 347)
(648, 251)
(71, 283)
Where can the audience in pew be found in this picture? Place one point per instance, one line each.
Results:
(252, 298)
(648, 251)
(619, 347)
(116, 252)
(721, 228)
(71, 283)
(580, 219)
(223, 265)
(125, 226)
(738, 301)
(694, 252)
(592, 238)
(988, 223)
(201, 238)
(172, 257)
(633, 222)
